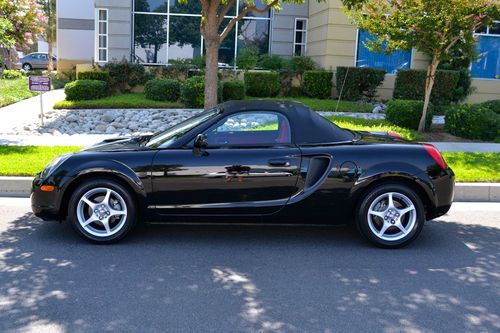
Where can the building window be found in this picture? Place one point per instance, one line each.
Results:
(101, 35)
(166, 31)
(300, 37)
(488, 49)
(390, 62)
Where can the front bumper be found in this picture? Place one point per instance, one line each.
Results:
(45, 205)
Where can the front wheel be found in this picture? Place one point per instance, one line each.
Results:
(390, 216)
(27, 67)
(102, 211)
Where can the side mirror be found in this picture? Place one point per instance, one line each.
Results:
(200, 143)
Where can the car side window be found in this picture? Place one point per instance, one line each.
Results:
(250, 129)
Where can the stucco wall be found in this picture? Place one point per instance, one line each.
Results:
(283, 28)
(120, 27)
(75, 33)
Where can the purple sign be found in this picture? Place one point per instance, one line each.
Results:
(39, 83)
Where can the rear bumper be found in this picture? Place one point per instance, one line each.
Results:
(444, 190)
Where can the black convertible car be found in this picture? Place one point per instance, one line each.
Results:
(252, 161)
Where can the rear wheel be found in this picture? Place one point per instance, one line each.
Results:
(102, 211)
(27, 67)
(390, 216)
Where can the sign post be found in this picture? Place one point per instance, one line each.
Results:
(40, 84)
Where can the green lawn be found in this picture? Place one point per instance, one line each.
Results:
(474, 167)
(327, 104)
(12, 91)
(358, 124)
(122, 101)
(28, 160)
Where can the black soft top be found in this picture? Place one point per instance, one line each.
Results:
(307, 126)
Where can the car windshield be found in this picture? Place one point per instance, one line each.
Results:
(170, 135)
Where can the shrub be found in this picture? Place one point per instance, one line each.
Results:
(271, 62)
(162, 90)
(407, 113)
(93, 75)
(85, 89)
(233, 90)
(300, 64)
(125, 75)
(247, 59)
(361, 82)
(318, 84)
(193, 92)
(11, 74)
(410, 84)
(493, 105)
(473, 122)
(262, 84)
(293, 92)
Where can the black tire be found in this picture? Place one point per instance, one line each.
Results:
(127, 224)
(366, 225)
(27, 67)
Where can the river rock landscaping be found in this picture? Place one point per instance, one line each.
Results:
(124, 122)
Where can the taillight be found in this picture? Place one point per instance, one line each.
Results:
(395, 135)
(436, 155)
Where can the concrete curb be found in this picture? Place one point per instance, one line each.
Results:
(464, 192)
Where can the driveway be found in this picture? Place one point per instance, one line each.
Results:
(249, 278)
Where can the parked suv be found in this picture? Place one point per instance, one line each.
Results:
(36, 60)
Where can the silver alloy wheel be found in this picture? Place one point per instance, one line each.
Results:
(27, 67)
(392, 216)
(101, 212)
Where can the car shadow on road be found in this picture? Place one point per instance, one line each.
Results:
(247, 279)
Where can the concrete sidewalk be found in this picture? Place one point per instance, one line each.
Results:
(473, 147)
(28, 110)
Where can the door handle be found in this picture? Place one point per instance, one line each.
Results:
(279, 162)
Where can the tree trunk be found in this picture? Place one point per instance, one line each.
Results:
(429, 83)
(50, 66)
(211, 72)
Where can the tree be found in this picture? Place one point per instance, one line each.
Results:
(49, 34)
(433, 27)
(25, 21)
(214, 29)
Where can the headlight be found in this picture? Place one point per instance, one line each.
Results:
(54, 164)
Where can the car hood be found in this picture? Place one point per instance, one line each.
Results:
(119, 144)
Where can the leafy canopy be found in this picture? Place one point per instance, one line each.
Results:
(433, 27)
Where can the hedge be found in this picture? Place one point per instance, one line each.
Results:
(473, 122)
(262, 84)
(318, 84)
(410, 84)
(85, 89)
(407, 113)
(493, 105)
(193, 92)
(233, 90)
(355, 83)
(93, 75)
(162, 90)
(125, 75)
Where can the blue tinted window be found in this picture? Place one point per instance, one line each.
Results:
(390, 62)
(488, 65)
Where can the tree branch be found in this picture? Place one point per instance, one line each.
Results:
(225, 10)
(243, 13)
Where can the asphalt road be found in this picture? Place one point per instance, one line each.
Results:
(250, 278)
